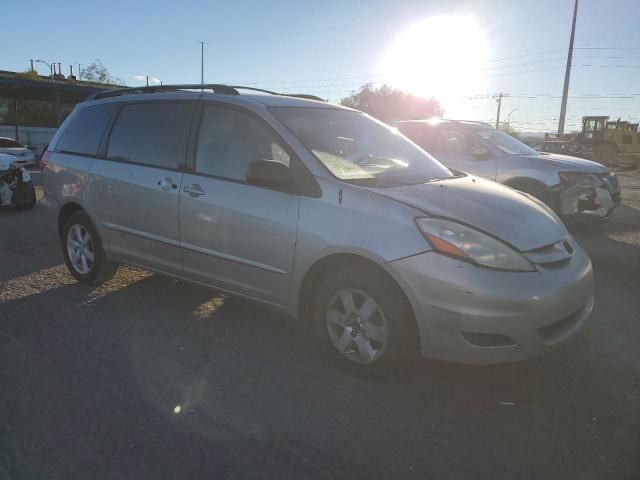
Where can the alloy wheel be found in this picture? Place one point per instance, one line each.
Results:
(357, 326)
(80, 249)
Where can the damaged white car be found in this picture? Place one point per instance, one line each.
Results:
(580, 191)
(16, 187)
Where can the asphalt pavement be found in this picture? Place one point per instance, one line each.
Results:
(147, 377)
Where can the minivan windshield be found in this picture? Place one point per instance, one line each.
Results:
(359, 149)
(505, 143)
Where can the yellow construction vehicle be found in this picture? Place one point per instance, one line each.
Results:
(610, 143)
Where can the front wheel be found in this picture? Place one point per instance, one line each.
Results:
(364, 316)
(83, 252)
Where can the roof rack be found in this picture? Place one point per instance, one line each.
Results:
(215, 87)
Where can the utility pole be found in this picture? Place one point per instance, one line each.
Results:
(567, 74)
(201, 63)
(147, 80)
(499, 102)
(32, 69)
(79, 72)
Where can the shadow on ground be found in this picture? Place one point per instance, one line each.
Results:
(151, 377)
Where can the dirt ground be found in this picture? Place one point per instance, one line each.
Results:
(148, 377)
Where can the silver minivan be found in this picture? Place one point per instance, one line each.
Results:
(320, 211)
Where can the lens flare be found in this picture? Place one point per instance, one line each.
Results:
(440, 57)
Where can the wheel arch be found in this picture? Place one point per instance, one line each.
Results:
(335, 261)
(520, 181)
(65, 212)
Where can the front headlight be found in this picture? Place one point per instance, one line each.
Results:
(465, 243)
(577, 178)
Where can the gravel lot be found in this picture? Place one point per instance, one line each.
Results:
(148, 377)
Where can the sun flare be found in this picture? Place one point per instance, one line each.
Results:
(440, 57)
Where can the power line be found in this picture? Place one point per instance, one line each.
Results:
(327, 29)
(319, 81)
(607, 48)
(532, 54)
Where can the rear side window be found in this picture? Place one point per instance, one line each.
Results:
(85, 129)
(153, 134)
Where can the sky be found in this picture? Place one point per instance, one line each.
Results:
(463, 52)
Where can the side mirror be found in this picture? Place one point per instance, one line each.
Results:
(268, 173)
(479, 150)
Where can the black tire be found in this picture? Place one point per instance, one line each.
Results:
(402, 336)
(32, 200)
(30, 203)
(101, 268)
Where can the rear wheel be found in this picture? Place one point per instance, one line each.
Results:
(83, 252)
(605, 153)
(363, 316)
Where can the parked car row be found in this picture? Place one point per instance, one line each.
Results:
(333, 217)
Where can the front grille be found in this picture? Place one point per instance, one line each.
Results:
(551, 254)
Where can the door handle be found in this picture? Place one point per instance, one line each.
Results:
(167, 184)
(194, 190)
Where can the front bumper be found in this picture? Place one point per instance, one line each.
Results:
(587, 204)
(470, 314)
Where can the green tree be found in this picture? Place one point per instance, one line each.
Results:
(29, 75)
(98, 73)
(387, 104)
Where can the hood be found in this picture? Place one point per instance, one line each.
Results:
(485, 205)
(568, 163)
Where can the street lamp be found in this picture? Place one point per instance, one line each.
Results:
(509, 117)
(48, 65)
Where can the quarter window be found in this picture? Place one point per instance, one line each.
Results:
(152, 134)
(84, 131)
(229, 140)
